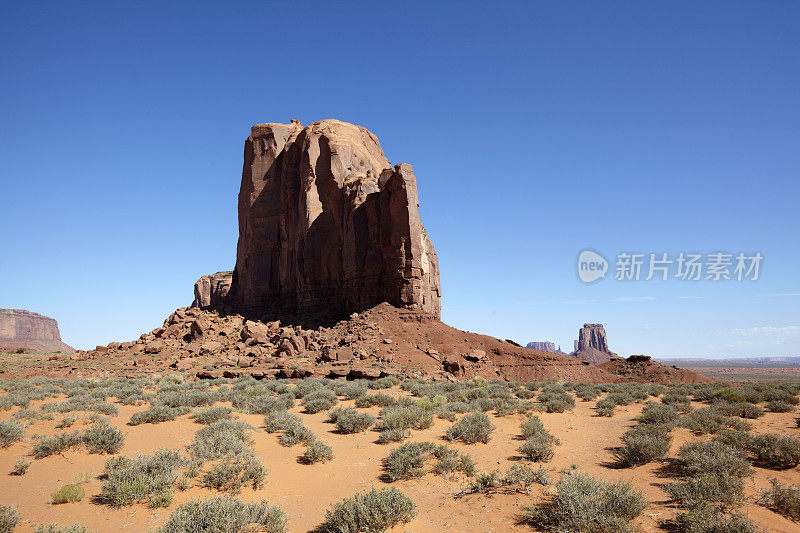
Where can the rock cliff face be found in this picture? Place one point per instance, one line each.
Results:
(326, 224)
(544, 347)
(212, 289)
(592, 345)
(30, 331)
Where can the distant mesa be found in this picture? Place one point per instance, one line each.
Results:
(326, 225)
(23, 330)
(545, 347)
(592, 345)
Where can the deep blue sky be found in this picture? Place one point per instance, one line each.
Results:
(536, 130)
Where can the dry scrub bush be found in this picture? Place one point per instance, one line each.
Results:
(471, 428)
(103, 438)
(643, 444)
(408, 461)
(55, 528)
(317, 452)
(783, 499)
(707, 519)
(233, 472)
(351, 421)
(775, 451)
(582, 504)
(9, 518)
(225, 515)
(539, 442)
(154, 415)
(127, 481)
(226, 437)
(21, 467)
(209, 415)
(10, 432)
(319, 400)
(373, 511)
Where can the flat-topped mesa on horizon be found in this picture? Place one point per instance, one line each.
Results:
(592, 345)
(20, 329)
(326, 225)
(544, 346)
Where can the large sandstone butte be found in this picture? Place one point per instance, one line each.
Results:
(21, 329)
(592, 345)
(326, 224)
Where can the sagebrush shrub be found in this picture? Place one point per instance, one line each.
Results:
(659, 414)
(10, 432)
(233, 472)
(103, 438)
(351, 421)
(582, 504)
(783, 499)
(47, 446)
(154, 415)
(471, 428)
(408, 460)
(225, 514)
(779, 406)
(376, 510)
(405, 417)
(209, 415)
(55, 528)
(775, 451)
(21, 467)
(317, 452)
(643, 444)
(225, 437)
(707, 519)
(126, 480)
(9, 518)
(319, 400)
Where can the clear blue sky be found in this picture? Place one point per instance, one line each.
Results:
(537, 129)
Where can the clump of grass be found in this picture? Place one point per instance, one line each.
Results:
(70, 493)
(376, 510)
(227, 514)
(126, 480)
(103, 438)
(643, 444)
(775, 451)
(233, 472)
(783, 499)
(154, 415)
(317, 452)
(9, 518)
(351, 421)
(21, 467)
(471, 428)
(409, 460)
(582, 504)
(209, 415)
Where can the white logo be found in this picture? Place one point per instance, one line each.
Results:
(591, 266)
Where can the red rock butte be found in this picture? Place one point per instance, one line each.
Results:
(326, 224)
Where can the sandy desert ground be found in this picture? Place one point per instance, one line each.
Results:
(306, 491)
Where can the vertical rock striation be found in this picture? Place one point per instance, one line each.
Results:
(326, 224)
(30, 331)
(592, 345)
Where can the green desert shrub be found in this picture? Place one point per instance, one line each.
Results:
(9, 518)
(376, 510)
(371, 400)
(216, 440)
(65, 422)
(783, 499)
(708, 519)
(556, 402)
(582, 504)
(605, 407)
(317, 452)
(57, 444)
(409, 460)
(712, 420)
(659, 414)
(350, 389)
(319, 400)
(392, 435)
(263, 405)
(233, 472)
(55, 528)
(741, 440)
(775, 451)
(21, 467)
(103, 438)
(712, 471)
(386, 382)
(10, 432)
(643, 444)
(681, 402)
(154, 415)
(209, 415)
(539, 442)
(405, 417)
(351, 421)
(127, 481)
(471, 428)
(729, 394)
(70, 493)
(779, 406)
(225, 514)
(276, 421)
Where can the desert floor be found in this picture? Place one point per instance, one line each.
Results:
(305, 492)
